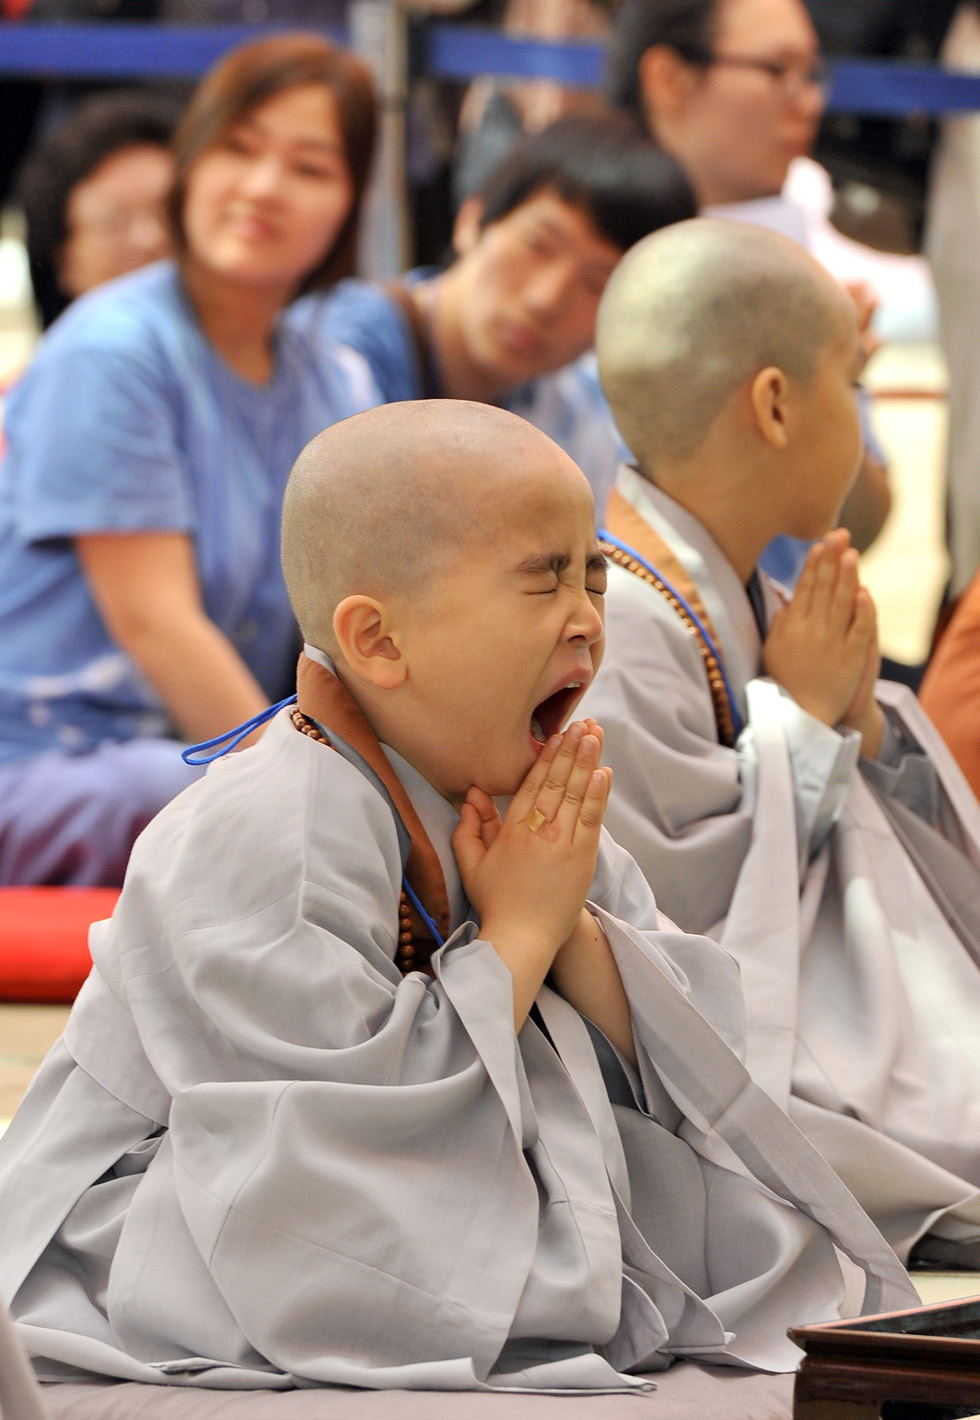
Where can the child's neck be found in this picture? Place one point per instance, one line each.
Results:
(387, 728)
(726, 501)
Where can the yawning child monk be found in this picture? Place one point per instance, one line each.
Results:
(369, 1086)
(779, 801)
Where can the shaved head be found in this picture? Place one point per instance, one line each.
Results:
(383, 502)
(693, 312)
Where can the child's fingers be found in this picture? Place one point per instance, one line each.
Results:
(866, 597)
(593, 806)
(841, 603)
(827, 580)
(523, 801)
(586, 762)
(552, 790)
(467, 841)
(864, 624)
(824, 581)
(803, 595)
(874, 659)
(487, 810)
(862, 637)
(593, 727)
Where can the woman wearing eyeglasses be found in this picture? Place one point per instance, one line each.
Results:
(734, 90)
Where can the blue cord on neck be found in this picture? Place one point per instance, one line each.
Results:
(606, 536)
(224, 744)
(437, 936)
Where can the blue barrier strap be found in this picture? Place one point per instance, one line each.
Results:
(865, 86)
(466, 52)
(885, 88)
(122, 51)
(860, 86)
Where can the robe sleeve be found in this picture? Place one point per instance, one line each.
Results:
(917, 770)
(683, 804)
(903, 770)
(705, 972)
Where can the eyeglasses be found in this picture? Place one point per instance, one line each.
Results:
(118, 224)
(791, 79)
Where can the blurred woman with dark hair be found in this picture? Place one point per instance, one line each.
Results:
(734, 89)
(141, 598)
(93, 193)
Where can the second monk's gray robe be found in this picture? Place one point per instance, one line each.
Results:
(848, 891)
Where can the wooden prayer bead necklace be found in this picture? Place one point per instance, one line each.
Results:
(724, 720)
(415, 942)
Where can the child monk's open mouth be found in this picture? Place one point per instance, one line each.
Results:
(551, 714)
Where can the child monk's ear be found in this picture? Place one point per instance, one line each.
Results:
(769, 401)
(467, 228)
(368, 642)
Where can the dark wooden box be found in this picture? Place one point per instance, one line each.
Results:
(900, 1365)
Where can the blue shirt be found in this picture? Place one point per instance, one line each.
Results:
(568, 405)
(128, 421)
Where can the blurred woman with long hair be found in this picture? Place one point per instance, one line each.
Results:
(141, 598)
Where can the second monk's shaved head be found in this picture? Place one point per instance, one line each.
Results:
(382, 502)
(694, 311)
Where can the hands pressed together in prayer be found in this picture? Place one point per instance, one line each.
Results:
(528, 876)
(823, 646)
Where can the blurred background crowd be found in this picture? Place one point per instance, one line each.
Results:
(149, 432)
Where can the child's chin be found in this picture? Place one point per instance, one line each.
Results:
(504, 785)
(503, 789)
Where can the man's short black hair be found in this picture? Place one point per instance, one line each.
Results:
(92, 132)
(605, 165)
(687, 26)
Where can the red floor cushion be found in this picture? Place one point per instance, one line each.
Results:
(44, 952)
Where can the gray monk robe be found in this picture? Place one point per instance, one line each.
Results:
(849, 894)
(262, 1157)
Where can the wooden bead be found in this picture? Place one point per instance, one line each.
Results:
(716, 681)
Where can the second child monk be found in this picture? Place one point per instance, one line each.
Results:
(778, 799)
